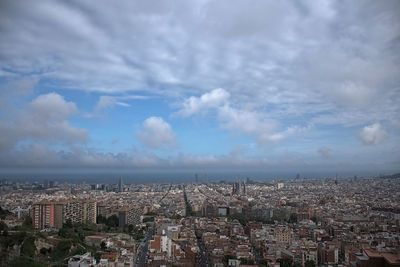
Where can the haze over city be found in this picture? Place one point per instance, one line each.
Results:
(274, 87)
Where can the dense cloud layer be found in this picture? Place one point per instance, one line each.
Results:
(44, 119)
(286, 71)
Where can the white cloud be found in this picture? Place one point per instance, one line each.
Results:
(213, 99)
(156, 133)
(239, 120)
(280, 61)
(44, 119)
(255, 124)
(247, 122)
(288, 132)
(263, 55)
(47, 119)
(52, 106)
(108, 102)
(373, 134)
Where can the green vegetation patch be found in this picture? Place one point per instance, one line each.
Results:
(22, 261)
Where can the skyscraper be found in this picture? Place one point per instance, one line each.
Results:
(120, 185)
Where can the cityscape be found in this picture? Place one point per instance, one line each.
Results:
(206, 133)
(299, 222)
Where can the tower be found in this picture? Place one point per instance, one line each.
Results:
(239, 187)
(120, 185)
(242, 188)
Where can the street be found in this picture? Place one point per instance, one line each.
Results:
(202, 258)
(142, 252)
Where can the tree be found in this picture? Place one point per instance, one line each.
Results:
(112, 221)
(314, 219)
(148, 219)
(228, 257)
(240, 217)
(61, 250)
(263, 262)
(103, 245)
(309, 263)
(68, 224)
(97, 257)
(100, 219)
(20, 237)
(176, 216)
(3, 226)
(285, 262)
(62, 232)
(138, 236)
(43, 251)
(21, 261)
(293, 218)
(247, 261)
(276, 217)
(89, 227)
(28, 248)
(27, 222)
(4, 213)
(189, 211)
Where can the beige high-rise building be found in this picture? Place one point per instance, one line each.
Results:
(80, 211)
(46, 214)
(283, 234)
(129, 215)
(72, 211)
(58, 215)
(89, 211)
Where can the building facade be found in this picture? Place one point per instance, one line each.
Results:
(55, 214)
(43, 215)
(129, 215)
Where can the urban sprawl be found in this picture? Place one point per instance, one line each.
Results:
(300, 222)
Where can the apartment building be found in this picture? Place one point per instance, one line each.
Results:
(129, 215)
(53, 214)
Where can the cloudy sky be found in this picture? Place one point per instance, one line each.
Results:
(274, 85)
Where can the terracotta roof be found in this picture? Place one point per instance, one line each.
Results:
(392, 258)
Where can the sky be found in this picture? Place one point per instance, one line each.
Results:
(295, 86)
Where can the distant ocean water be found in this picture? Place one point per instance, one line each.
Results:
(166, 175)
